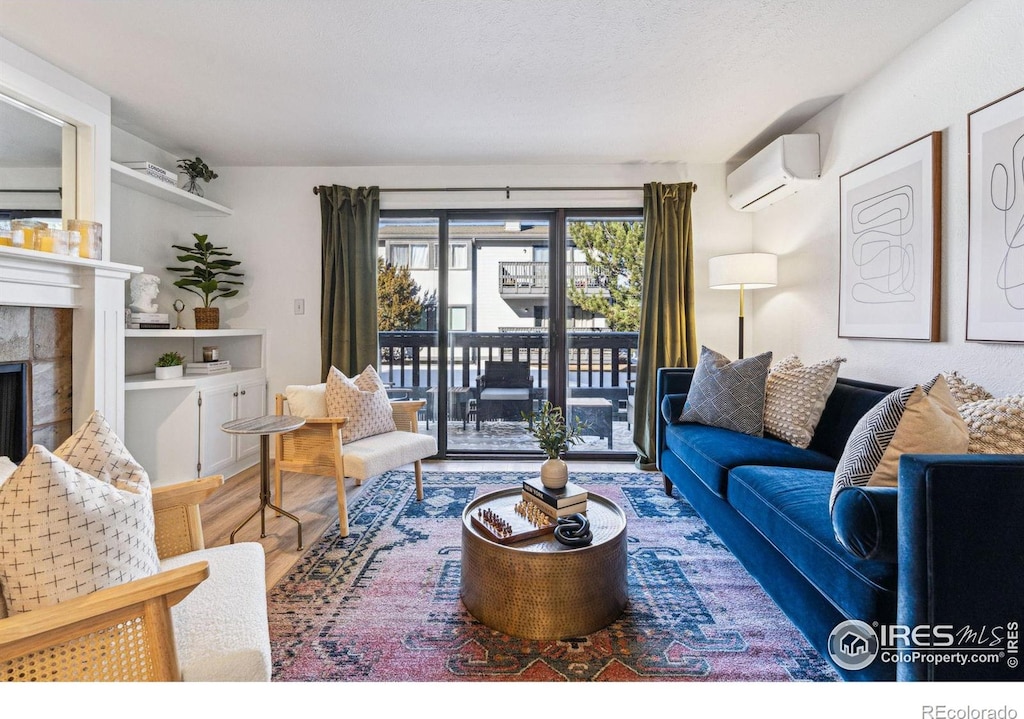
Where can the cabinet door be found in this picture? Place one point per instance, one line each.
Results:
(252, 402)
(216, 447)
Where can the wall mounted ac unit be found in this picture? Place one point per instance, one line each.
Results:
(787, 164)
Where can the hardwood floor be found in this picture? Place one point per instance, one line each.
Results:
(314, 501)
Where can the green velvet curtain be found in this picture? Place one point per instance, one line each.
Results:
(668, 336)
(348, 278)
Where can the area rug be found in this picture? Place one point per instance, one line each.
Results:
(383, 603)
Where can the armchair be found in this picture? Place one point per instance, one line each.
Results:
(316, 448)
(504, 391)
(202, 618)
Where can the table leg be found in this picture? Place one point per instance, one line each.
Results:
(265, 495)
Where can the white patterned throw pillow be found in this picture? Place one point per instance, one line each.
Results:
(65, 532)
(795, 396)
(728, 394)
(362, 401)
(916, 419)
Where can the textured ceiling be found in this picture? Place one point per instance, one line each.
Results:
(389, 82)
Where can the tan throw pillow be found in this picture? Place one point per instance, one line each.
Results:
(362, 401)
(307, 401)
(66, 533)
(963, 390)
(995, 426)
(930, 424)
(795, 396)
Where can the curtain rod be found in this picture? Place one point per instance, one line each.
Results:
(48, 192)
(507, 190)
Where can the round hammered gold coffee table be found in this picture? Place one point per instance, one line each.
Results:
(538, 588)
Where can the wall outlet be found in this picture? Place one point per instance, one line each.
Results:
(299, 307)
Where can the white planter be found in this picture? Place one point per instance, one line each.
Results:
(554, 473)
(170, 372)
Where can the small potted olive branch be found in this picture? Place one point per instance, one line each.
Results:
(554, 437)
(195, 170)
(169, 365)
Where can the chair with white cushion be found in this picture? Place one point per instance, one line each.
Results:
(317, 447)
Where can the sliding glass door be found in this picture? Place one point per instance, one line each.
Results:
(485, 315)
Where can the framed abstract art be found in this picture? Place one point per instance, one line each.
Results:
(890, 243)
(995, 252)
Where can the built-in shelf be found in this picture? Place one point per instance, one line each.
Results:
(194, 333)
(149, 381)
(127, 177)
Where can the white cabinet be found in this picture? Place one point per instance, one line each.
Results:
(173, 427)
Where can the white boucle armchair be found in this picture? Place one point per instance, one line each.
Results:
(203, 617)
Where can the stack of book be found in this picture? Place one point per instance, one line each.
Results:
(154, 171)
(148, 321)
(570, 499)
(215, 367)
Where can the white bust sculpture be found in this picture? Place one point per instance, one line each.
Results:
(144, 289)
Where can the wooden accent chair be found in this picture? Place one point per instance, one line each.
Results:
(134, 631)
(316, 448)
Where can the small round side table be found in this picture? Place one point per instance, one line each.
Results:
(265, 426)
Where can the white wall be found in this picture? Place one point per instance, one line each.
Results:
(970, 60)
(275, 232)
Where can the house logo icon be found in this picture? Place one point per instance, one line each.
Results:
(853, 644)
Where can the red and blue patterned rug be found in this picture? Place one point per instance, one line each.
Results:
(383, 603)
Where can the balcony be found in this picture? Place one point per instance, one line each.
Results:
(530, 279)
(601, 367)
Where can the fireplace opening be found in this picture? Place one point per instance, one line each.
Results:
(14, 410)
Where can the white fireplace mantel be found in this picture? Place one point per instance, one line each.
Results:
(95, 291)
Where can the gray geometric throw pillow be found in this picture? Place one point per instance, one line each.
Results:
(728, 394)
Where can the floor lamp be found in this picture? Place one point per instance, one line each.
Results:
(744, 271)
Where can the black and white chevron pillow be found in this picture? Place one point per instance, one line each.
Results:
(868, 441)
(728, 394)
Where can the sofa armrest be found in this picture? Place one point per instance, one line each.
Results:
(122, 633)
(671, 381)
(404, 412)
(961, 554)
(179, 526)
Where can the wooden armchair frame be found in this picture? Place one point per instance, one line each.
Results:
(316, 448)
(121, 633)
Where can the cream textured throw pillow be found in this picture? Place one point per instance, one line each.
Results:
(995, 426)
(963, 390)
(66, 532)
(795, 396)
(307, 401)
(362, 401)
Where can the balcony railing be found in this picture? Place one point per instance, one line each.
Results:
(531, 278)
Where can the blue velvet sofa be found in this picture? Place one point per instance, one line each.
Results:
(944, 549)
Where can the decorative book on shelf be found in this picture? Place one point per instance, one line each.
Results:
(207, 367)
(570, 494)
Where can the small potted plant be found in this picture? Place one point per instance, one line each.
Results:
(210, 276)
(554, 436)
(195, 170)
(169, 365)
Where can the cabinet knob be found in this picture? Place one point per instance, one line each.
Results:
(243, 391)
(235, 394)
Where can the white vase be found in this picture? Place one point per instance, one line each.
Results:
(169, 372)
(554, 473)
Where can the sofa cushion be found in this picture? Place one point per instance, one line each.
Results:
(710, 452)
(849, 401)
(220, 629)
(995, 426)
(362, 401)
(381, 453)
(790, 508)
(795, 395)
(728, 394)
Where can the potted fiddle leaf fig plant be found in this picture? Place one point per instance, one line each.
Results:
(195, 170)
(211, 276)
(169, 365)
(554, 437)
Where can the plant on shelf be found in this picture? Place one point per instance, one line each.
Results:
(554, 437)
(210, 276)
(169, 365)
(195, 170)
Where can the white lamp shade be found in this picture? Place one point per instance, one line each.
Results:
(746, 270)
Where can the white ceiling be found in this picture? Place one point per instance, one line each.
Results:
(452, 82)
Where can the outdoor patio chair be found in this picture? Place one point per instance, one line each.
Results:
(504, 391)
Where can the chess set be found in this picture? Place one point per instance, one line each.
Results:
(514, 522)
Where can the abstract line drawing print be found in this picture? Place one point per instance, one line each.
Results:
(882, 250)
(1004, 186)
